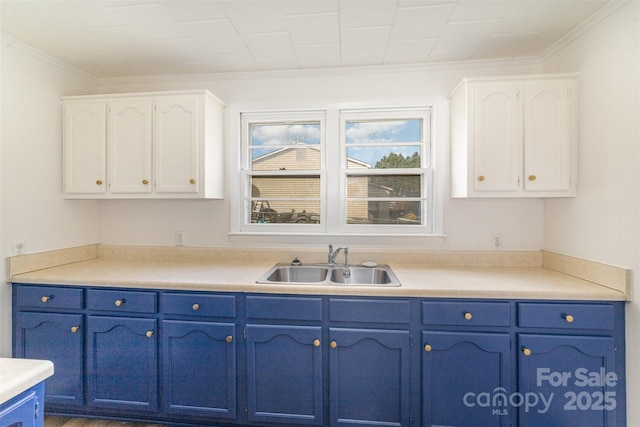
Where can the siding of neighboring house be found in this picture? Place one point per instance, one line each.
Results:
(306, 186)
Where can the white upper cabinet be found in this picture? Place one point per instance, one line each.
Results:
(85, 136)
(151, 145)
(514, 137)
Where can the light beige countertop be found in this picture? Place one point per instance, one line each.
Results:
(18, 375)
(477, 277)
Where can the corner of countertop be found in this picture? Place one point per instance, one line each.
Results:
(41, 260)
(616, 278)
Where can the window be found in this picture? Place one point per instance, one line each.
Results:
(282, 166)
(337, 171)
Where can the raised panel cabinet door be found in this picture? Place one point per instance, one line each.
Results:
(129, 145)
(177, 133)
(497, 137)
(85, 148)
(284, 374)
(122, 367)
(369, 376)
(549, 141)
(59, 338)
(569, 381)
(199, 360)
(466, 379)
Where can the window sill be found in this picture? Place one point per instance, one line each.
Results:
(312, 239)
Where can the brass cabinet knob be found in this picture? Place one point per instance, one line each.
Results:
(333, 344)
(192, 181)
(119, 302)
(229, 338)
(427, 347)
(145, 182)
(468, 316)
(526, 351)
(98, 182)
(195, 307)
(481, 178)
(45, 299)
(149, 334)
(74, 329)
(316, 343)
(532, 177)
(568, 318)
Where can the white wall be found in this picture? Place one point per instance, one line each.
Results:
(32, 208)
(468, 224)
(603, 222)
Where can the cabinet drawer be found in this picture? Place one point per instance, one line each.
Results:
(121, 301)
(369, 310)
(48, 297)
(196, 304)
(284, 308)
(469, 313)
(566, 316)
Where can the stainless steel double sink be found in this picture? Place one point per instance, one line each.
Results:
(329, 274)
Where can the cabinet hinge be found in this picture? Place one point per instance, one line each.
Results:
(37, 408)
(246, 410)
(410, 421)
(244, 333)
(410, 340)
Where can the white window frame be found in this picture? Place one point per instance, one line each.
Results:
(426, 177)
(275, 117)
(331, 229)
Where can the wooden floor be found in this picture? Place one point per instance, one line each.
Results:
(85, 422)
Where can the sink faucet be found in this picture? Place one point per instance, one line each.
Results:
(332, 258)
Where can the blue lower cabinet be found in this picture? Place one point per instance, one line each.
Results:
(465, 379)
(199, 363)
(59, 338)
(284, 374)
(369, 377)
(24, 410)
(122, 366)
(568, 381)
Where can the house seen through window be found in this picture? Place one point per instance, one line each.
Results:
(370, 175)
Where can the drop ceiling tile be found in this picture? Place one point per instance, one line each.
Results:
(372, 13)
(421, 22)
(254, 16)
(482, 10)
(269, 45)
(364, 41)
(451, 55)
(289, 63)
(365, 60)
(465, 35)
(532, 17)
(232, 59)
(213, 34)
(313, 29)
(318, 55)
(194, 11)
(297, 7)
(507, 47)
(408, 51)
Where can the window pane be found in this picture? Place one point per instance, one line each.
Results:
(285, 211)
(403, 212)
(290, 187)
(375, 186)
(285, 134)
(378, 157)
(285, 158)
(383, 131)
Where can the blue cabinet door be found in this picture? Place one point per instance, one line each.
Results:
(122, 371)
(465, 379)
(59, 338)
(284, 374)
(573, 378)
(199, 360)
(369, 377)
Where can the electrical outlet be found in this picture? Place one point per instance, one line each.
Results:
(18, 247)
(496, 241)
(179, 238)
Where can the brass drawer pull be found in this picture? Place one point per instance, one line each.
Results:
(569, 318)
(427, 347)
(195, 307)
(229, 338)
(45, 299)
(75, 329)
(526, 351)
(468, 316)
(149, 334)
(316, 343)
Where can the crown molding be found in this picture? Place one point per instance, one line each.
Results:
(14, 43)
(581, 29)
